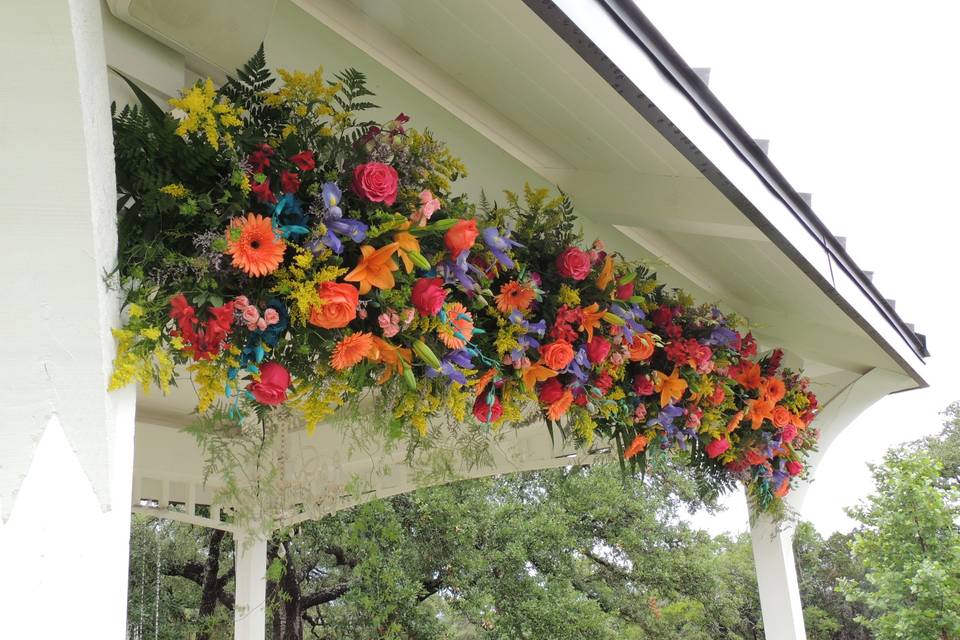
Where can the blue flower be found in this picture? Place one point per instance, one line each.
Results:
(499, 245)
(721, 337)
(450, 366)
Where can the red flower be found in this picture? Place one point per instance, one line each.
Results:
(206, 341)
(662, 316)
(460, 237)
(289, 182)
(748, 346)
(273, 384)
(262, 191)
(486, 412)
(598, 349)
(717, 447)
(624, 291)
(304, 160)
(794, 468)
(642, 385)
(551, 391)
(754, 457)
(260, 159)
(737, 466)
(428, 296)
(718, 395)
(574, 263)
(603, 382)
(376, 182)
(788, 433)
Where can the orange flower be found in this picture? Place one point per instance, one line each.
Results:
(606, 274)
(642, 346)
(536, 373)
(351, 350)
(557, 355)
(760, 410)
(772, 389)
(376, 268)
(255, 248)
(781, 416)
(783, 489)
(392, 356)
(461, 237)
(748, 376)
(339, 306)
(514, 295)
(457, 329)
(734, 421)
(637, 446)
(483, 381)
(590, 319)
(671, 387)
(407, 242)
(558, 408)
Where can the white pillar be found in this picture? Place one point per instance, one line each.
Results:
(66, 445)
(250, 621)
(773, 549)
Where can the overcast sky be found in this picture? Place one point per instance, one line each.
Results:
(859, 101)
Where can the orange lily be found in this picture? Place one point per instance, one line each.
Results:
(407, 242)
(590, 319)
(606, 274)
(760, 410)
(671, 387)
(483, 381)
(536, 373)
(375, 269)
(391, 356)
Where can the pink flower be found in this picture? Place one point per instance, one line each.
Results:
(428, 206)
(261, 324)
(389, 322)
(428, 295)
(794, 468)
(717, 447)
(642, 385)
(640, 413)
(376, 182)
(486, 412)
(788, 433)
(250, 316)
(273, 384)
(270, 316)
(624, 291)
(598, 349)
(407, 316)
(574, 263)
(240, 303)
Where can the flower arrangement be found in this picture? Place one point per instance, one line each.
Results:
(285, 251)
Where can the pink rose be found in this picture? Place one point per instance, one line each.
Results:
(271, 316)
(389, 323)
(642, 385)
(240, 303)
(273, 385)
(428, 295)
(574, 263)
(376, 182)
(794, 468)
(624, 291)
(598, 349)
(717, 447)
(788, 433)
(250, 315)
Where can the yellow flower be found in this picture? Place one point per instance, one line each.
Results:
(150, 333)
(135, 311)
(202, 112)
(175, 190)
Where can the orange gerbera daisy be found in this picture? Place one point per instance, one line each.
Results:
(514, 295)
(254, 246)
(375, 269)
(457, 328)
(558, 408)
(772, 389)
(351, 350)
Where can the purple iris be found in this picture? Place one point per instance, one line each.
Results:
(459, 271)
(580, 366)
(721, 337)
(631, 317)
(450, 366)
(353, 229)
(336, 224)
(499, 244)
(331, 194)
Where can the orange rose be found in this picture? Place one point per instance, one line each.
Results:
(340, 301)
(642, 347)
(557, 355)
(781, 416)
(461, 237)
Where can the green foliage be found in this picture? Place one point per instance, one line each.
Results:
(909, 545)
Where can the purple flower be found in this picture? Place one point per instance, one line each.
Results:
(721, 337)
(450, 366)
(459, 271)
(331, 195)
(499, 245)
(353, 229)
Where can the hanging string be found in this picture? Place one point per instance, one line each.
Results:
(156, 612)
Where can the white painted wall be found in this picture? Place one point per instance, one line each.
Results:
(66, 445)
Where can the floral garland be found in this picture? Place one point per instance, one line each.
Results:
(286, 251)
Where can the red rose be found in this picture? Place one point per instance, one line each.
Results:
(460, 237)
(273, 385)
(551, 391)
(485, 412)
(603, 382)
(662, 316)
(598, 349)
(304, 160)
(737, 466)
(574, 263)
(289, 182)
(642, 385)
(794, 468)
(624, 291)
(376, 182)
(428, 295)
(717, 447)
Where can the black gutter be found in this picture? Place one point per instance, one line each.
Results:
(636, 25)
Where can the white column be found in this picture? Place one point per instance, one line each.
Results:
(772, 548)
(250, 622)
(66, 445)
